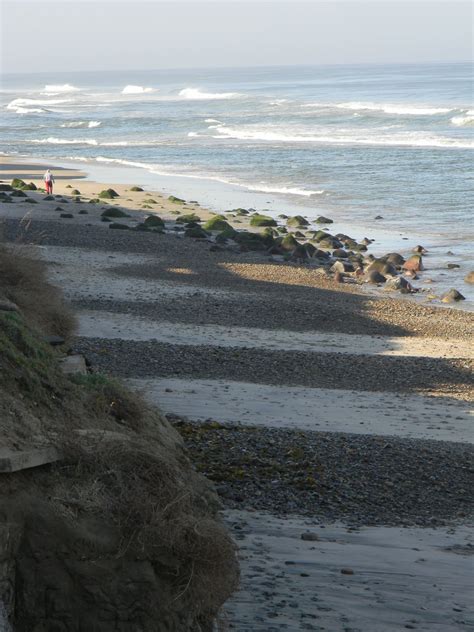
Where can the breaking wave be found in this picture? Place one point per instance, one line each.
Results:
(20, 106)
(464, 119)
(136, 90)
(413, 110)
(196, 94)
(89, 124)
(59, 88)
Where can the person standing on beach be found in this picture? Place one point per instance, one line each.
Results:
(49, 180)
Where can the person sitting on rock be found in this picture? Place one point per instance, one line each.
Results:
(49, 181)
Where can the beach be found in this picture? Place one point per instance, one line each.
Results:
(333, 416)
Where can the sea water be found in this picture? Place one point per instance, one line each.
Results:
(349, 142)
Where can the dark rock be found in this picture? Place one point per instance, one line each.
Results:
(54, 341)
(217, 223)
(6, 187)
(453, 296)
(83, 212)
(340, 253)
(378, 217)
(18, 193)
(453, 266)
(310, 537)
(77, 192)
(190, 217)
(419, 250)
(395, 259)
(108, 194)
(196, 233)
(118, 226)
(136, 189)
(262, 220)
(154, 221)
(347, 571)
(114, 212)
(297, 221)
(48, 198)
(324, 220)
(176, 200)
(373, 276)
(66, 215)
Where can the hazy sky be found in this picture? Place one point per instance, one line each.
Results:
(69, 35)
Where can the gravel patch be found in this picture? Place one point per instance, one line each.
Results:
(360, 479)
(140, 359)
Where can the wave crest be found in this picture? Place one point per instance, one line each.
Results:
(196, 94)
(59, 88)
(464, 119)
(75, 124)
(131, 89)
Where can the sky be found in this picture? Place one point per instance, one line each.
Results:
(88, 35)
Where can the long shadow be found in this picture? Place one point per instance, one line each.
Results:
(270, 300)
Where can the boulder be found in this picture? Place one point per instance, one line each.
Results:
(378, 217)
(297, 221)
(83, 212)
(340, 253)
(154, 221)
(338, 277)
(217, 223)
(414, 263)
(299, 253)
(48, 198)
(342, 266)
(17, 183)
(190, 217)
(75, 192)
(288, 243)
(196, 233)
(66, 215)
(398, 283)
(114, 212)
(18, 193)
(262, 220)
(380, 265)
(136, 189)
(419, 250)
(108, 194)
(374, 277)
(469, 278)
(176, 200)
(453, 296)
(6, 187)
(323, 220)
(453, 266)
(395, 259)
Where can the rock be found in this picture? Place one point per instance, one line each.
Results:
(154, 221)
(347, 571)
(453, 266)
(323, 220)
(217, 223)
(262, 220)
(374, 277)
(176, 200)
(299, 253)
(6, 187)
(340, 253)
(17, 183)
(380, 265)
(118, 226)
(108, 194)
(74, 364)
(136, 189)
(186, 219)
(338, 277)
(83, 212)
(16, 460)
(288, 243)
(378, 217)
(395, 259)
(342, 266)
(77, 192)
(114, 212)
(414, 263)
(469, 278)
(18, 193)
(453, 296)
(310, 537)
(66, 215)
(398, 283)
(196, 233)
(54, 341)
(419, 250)
(297, 220)
(30, 201)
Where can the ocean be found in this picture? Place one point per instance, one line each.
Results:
(349, 142)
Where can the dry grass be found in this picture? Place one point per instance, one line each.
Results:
(23, 281)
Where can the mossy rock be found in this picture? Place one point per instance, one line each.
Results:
(176, 200)
(296, 221)
(94, 201)
(262, 220)
(323, 220)
(136, 189)
(196, 233)
(108, 194)
(114, 212)
(288, 243)
(17, 183)
(321, 234)
(18, 193)
(298, 235)
(77, 199)
(6, 199)
(66, 215)
(6, 187)
(68, 186)
(49, 198)
(146, 206)
(30, 201)
(58, 208)
(190, 217)
(217, 223)
(250, 241)
(75, 192)
(240, 211)
(83, 212)
(152, 201)
(30, 187)
(154, 221)
(143, 228)
(228, 233)
(105, 219)
(118, 226)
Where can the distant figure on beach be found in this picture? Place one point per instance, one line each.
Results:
(49, 180)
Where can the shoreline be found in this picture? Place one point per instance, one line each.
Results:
(432, 283)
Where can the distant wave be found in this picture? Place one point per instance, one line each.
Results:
(59, 88)
(409, 140)
(89, 124)
(210, 120)
(464, 119)
(387, 108)
(136, 90)
(287, 190)
(51, 140)
(21, 105)
(195, 93)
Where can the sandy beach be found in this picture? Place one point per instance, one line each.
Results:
(310, 402)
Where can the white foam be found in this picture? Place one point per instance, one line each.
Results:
(20, 106)
(136, 90)
(21, 110)
(211, 120)
(59, 88)
(196, 94)
(284, 190)
(414, 110)
(464, 119)
(64, 141)
(414, 139)
(75, 124)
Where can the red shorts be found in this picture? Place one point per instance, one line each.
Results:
(49, 187)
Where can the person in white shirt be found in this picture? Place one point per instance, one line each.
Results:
(49, 181)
